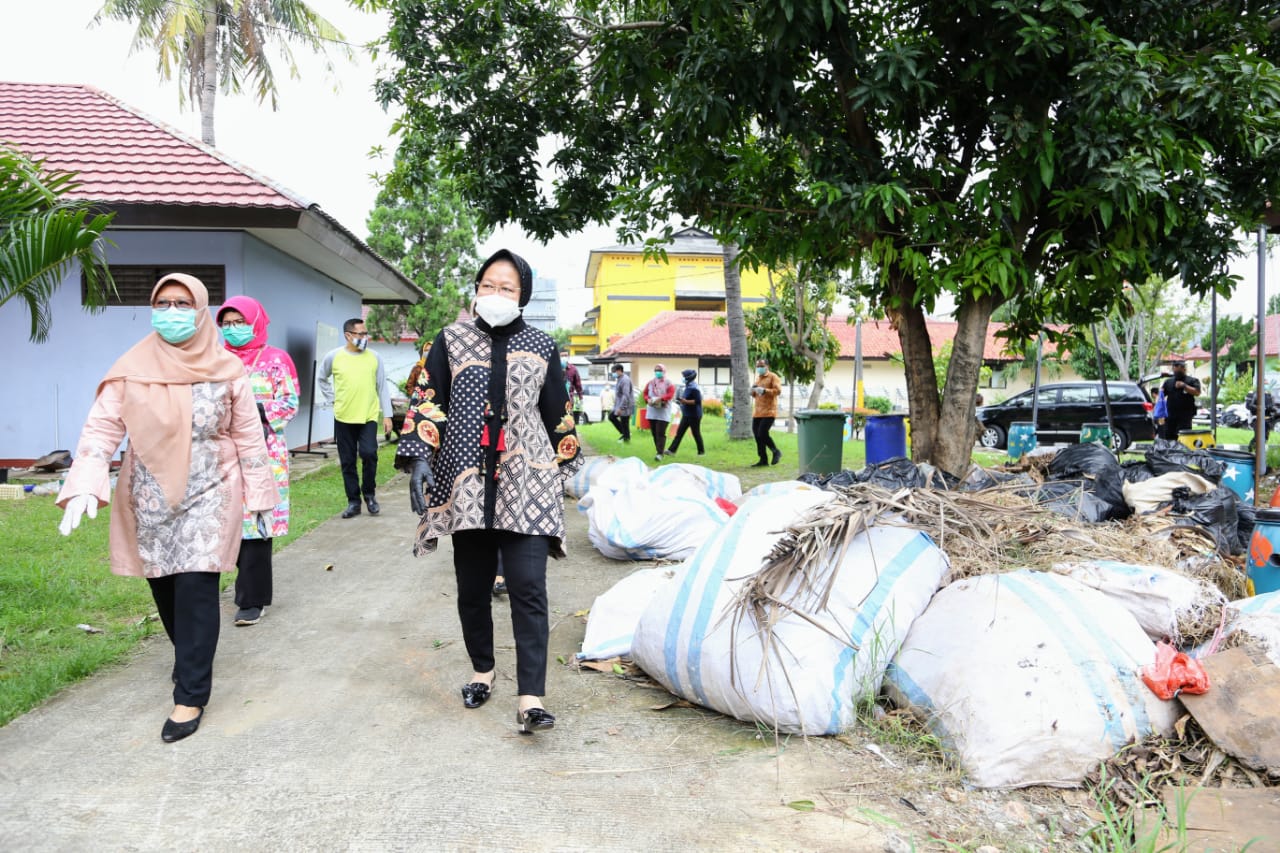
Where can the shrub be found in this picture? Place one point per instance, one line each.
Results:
(712, 406)
(728, 397)
(880, 404)
(830, 407)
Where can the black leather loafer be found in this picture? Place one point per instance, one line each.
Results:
(535, 720)
(175, 731)
(476, 694)
(372, 503)
(352, 510)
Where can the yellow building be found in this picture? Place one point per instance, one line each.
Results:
(629, 289)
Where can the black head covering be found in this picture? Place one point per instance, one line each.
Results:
(522, 267)
(688, 373)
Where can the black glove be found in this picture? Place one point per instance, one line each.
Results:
(421, 481)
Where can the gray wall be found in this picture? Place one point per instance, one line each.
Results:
(49, 388)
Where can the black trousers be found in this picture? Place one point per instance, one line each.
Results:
(188, 607)
(622, 423)
(362, 439)
(524, 564)
(764, 441)
(1173, 424)
(686, 425)
(253, 578)
(658, 429)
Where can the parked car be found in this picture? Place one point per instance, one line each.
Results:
(597, 400)
(1065, 407)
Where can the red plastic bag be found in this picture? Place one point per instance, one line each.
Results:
(727, 505)
(1173, 673)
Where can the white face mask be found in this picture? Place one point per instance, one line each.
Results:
(496, 309)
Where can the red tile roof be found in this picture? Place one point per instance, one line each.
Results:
(121, 155)
(675, 333)
(1271, 328)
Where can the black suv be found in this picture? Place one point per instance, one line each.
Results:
(1067, 406)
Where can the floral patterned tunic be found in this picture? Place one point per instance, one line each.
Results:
(229, 470)
(496, 470)
(275, 389)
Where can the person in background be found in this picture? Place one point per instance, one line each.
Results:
(572, 384)
(196, 460)
(658, 394)
(353, 381)
(1180, 392)
(624, 402)
(274, 382)
(690, 400)
(487, 441)
(764, 410)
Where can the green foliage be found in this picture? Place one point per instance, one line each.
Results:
(1273, 304)
(426, 230)
(881, 404)
(1236, 340)
(43, 237)
(1083, 359)
(1043, 152)
(829, 406)
(243, 31)
(1234, 389)
(790, 328)
(711, 407)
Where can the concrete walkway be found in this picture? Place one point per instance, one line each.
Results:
(336, 724)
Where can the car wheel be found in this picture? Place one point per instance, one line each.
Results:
(992, 437)
(1119, 440)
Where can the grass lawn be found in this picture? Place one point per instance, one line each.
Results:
(49, 584)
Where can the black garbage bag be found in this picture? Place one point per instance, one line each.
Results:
(1246, 518)
(1070, 498)
(839, 480)
(901, 473)
(1136, 471)
(1166, 457)
(1097, 468)
(1214, 512)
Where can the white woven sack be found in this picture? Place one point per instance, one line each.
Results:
(715, 484)
(1030, 678)
(586, 475)
(782, 487)
(647, 521)
(1147, 495)
(615, 612)
(1257, 616)
(811, 678)
(1158, 598)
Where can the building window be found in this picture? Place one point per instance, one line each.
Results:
(998, 379)
(134, 282)
(715, 371)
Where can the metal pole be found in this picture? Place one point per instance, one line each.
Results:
(1035, 385)
(1102, 373)
(1260, 369)
(857, 364)
(1213, 366)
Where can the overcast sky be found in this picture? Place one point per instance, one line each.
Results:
(318, 143)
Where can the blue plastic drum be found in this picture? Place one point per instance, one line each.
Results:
(1022, 439)
(886, 438)
(1239, 474)
(1264, 559)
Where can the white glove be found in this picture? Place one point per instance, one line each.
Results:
(77, 507)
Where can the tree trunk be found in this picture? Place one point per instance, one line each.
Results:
(209, 85)
(917, 362)
(737, 323)
(957, 424)
(819, 375)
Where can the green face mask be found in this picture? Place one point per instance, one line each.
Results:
(237, 336)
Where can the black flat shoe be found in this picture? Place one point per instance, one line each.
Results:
(352, 510)
(761, 464)
(175, 731)
(372, 503)
(499, 588)
(535, 720)
(777, 455)
(476, 694)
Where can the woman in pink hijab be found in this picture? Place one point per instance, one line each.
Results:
(196, 456)
(274, 381)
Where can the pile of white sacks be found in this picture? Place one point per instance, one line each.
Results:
(1028, 678)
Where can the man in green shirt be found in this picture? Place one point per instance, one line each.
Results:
(353, 380)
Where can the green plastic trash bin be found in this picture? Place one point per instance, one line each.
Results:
(821, 435)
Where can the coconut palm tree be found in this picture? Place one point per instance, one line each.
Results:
(222, 44)
(42, 236)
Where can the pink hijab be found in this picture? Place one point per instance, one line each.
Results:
(157, 377)
(256, 316)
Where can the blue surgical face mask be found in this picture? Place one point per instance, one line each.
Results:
(564, 365)
(759, 371)
(175, 325)
(237, 336)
